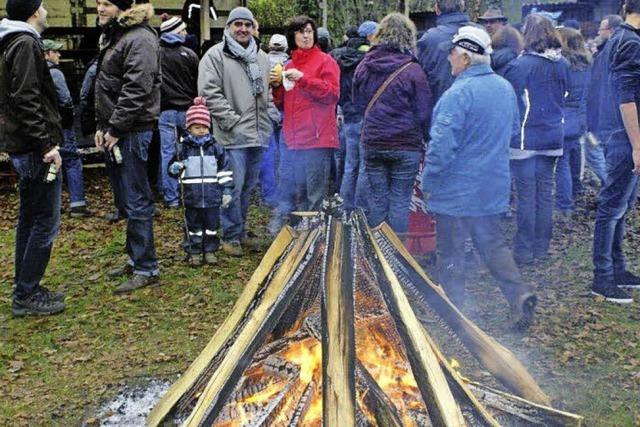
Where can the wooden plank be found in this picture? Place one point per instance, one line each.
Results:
(442, 407)
(259, 324)
(338, 338)
(186, 381)
(491, 354)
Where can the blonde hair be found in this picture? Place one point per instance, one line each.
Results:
(397, 31)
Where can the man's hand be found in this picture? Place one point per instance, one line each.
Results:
(293, 74)
(226, 201)
(636, 162)
(99, 140)
(110, 141)
(53, 156)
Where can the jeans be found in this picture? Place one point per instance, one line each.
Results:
(131, 184)
(354, 188)
(245, 164)
(568, 184)
(391, 176)
(487, 238)
(616, 198)
(201, 235)
(72, 168)
(594, 156)
(38, 221)
(304, 178)
(534, 185)
(339, 159)
(269, 169)
(171, 125)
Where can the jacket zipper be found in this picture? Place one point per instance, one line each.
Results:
(202, 173)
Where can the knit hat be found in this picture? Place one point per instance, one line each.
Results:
(198, 113)
(323, 33)
(367, 28)
(21, 10)
(122, 4)
(172, 25)
(278, 40)
(240, 13)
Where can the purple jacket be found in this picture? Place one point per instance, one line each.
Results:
(401, 116)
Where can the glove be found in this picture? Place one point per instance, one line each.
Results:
(176, 168)
(226, 201)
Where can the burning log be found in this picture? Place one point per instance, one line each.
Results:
(375, 400)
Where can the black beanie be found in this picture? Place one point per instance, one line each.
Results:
(122, 4)
(21, 10)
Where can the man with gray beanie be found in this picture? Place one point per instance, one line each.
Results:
(127, 99)
(234, 79)
(30, 132)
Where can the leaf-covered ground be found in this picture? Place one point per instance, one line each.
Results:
(58, 370)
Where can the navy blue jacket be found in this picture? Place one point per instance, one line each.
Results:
(540, 83)
(206, 174)
(500, 58)
(575, 103)
(434, 61)
(348, 58)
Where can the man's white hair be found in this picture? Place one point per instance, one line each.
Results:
(474, 58)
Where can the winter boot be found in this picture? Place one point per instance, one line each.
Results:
(233, 248)
(210, 258)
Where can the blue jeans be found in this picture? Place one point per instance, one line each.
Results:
(134, 198)
(616, 198)
(568, 174)
(391, 175)
(594, 157)
(72, 168)
(38, 221)
(304, 178)
(269, 169)
(171, 125)
(354, 188)
(534, 185)
(245, 164)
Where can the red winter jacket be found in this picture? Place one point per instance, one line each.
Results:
(310, 107)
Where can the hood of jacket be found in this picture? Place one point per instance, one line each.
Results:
(136, 15)
(501, 57)
(350, 55)
(172, 40)
(554, 55)
(9, 27)
(383, 59)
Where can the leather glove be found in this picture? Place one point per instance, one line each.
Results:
(176, 168)
(226, 200)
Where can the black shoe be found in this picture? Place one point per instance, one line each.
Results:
(37, 304)
(54, 295)
(136, 281)
(610, 292)
(80, 212)
(627, 280)
(121, 271)
(523, 310)
(113, 217)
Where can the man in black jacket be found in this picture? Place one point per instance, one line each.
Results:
(30, 132)
(127, 97)
(179, 88)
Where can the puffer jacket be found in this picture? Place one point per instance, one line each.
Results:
(128, 79)
(400, 117)
(310, 107)
(240, 119)
(29, 117)
(206, 175)
(540, 81)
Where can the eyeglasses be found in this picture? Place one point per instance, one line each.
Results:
(306, 31)
(239, 24)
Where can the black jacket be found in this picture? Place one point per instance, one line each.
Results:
(127, 88)
(348, 58)
(29, 118)
(625, 73)
(179, 75)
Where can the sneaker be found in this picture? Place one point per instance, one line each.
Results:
(210, 258)
(80, 212)
(610, 292)
(137, 281)
(627, 280)
(194, 260)
(233, 248)
(54, 295)
(39, 303)
(126, 269)
(523, 310)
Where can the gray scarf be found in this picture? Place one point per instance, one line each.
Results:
(249, 58)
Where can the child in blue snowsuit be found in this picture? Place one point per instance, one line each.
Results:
(202, 169)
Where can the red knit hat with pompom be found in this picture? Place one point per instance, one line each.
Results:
(198, 113)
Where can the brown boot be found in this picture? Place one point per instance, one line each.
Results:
(233, 248)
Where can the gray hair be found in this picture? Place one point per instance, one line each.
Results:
(450, 6)
(474, 58)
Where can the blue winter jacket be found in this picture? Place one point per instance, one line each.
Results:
(433, 60)
(540, 82)
(575, 103)
(206, 174)
(467, 167)
(600, 103)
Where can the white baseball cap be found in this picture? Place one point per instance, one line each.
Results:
(278, 40)
(472, 38)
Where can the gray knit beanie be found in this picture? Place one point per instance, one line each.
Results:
(240, 13)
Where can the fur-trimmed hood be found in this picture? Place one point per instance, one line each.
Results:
(136, 15)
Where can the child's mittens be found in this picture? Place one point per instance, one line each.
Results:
(226, 201)
(176, 168)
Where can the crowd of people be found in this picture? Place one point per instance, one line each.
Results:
(475, 110)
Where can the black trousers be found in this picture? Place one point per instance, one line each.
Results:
(202, 230)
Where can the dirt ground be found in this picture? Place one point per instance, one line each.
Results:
(58, 370)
